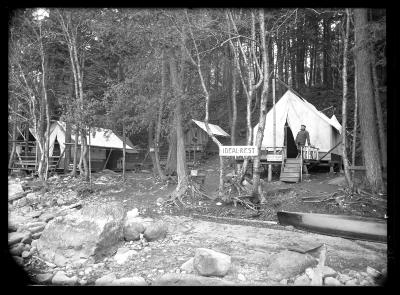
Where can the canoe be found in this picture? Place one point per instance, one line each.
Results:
(351, 227)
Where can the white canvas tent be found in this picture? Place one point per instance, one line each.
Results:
(99, 137)
(324, 132)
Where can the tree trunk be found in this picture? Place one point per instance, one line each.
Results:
(327, 68)
(73, 172)
(67, 148)
(234, 106)
(263, 107)
(353, 152)
(369, 131)
(180, 144)
(378, 107)
(159, 118)
(123, 153)
(14, 138)
(344, 104)
(170, 168)
(150, 143)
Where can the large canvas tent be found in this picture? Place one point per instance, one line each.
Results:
(102, 143)
(324, 132)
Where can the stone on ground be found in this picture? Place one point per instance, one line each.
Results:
(17, 249)
(16, 237)
(123, 255)
(288, 264)
(329, 281)
(188, 266)
(132, 230)
(44, 277)
(155, 231)
(91, 232)
(14, 188)
(302, 280)
(60, 278)
(174, 279)
(105, 280)
(328, 272)
(132, 214)
(131, 281)
(208, 262)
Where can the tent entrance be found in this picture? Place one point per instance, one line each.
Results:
(289, 142)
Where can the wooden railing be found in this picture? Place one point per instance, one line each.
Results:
(310, 153)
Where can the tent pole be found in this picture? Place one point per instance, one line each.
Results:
(90, 163)
(274, 113)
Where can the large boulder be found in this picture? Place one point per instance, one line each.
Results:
(155, 231)
(174, 279)
(208, 262)
(133, 229)
(288, 264)
(105, 280)
(92, 232)
(131, 281)
(60, 278)
(14, 188)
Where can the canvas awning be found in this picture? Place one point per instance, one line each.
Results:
(215, 129)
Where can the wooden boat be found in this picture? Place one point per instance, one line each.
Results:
(351, 227)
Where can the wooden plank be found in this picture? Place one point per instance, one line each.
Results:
(357, 167)
(290, 174)
(291, 170)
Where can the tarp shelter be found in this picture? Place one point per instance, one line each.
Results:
(197, 133)
(102, 142)
(296, 111)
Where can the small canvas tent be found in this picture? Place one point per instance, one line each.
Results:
(102, 142)
(197, 133)
(324, 132)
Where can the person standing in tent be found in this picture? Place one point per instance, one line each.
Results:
(301, 138)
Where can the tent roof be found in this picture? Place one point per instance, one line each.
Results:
(336, 124)
(215, 129)
(335, 121)
(102, 137)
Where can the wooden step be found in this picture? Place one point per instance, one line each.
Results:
(290, 174)
(289, 179)
(291, 169)
(292, 161)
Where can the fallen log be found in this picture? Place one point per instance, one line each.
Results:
(237, 219)
(18, 196)
(351, 227)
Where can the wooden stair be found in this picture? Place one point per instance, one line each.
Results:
(291, 170)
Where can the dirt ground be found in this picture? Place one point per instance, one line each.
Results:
(249, 246)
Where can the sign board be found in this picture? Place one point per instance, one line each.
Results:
(274, 158)
(152, 149)
(238, 151)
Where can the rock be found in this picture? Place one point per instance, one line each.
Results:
(14, 188)
(241, 277)
(310, 273)
(174, 279)
(91, 232)
(288, 264)
(12, 228)
(26, 254)
(27, 247)
(208, 262)
(105, 280)
(328, 272)
(344, 278)
(132, 214)
(36, 235)
(27, 239)
(188, 266)
(123, 254)
(132, 230)
(283, 282)
(44, 277)
(37, 229)
(132, 281)
(302, 280)
(16, 237)
(329, 281)
(34, 243)
(17, 249)
(60, 278)
(159, 201)
(365, 283)
(46, 217)
(373, 272)
(18, 260)
(82, 282)
(88, 270)
(155, 231)
(352, 282)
